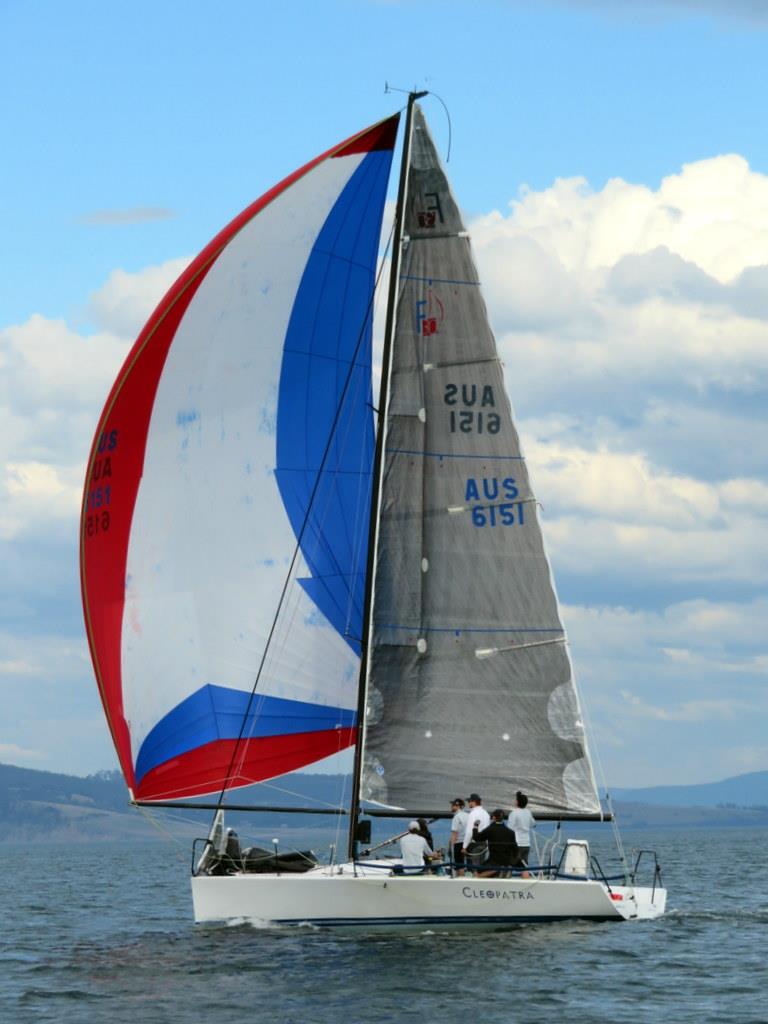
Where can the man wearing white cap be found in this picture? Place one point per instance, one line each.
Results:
(414, 848)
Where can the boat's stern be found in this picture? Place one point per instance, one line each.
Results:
(636, 903)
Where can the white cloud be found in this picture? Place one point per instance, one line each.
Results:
(657, 555)
(19, 667)
(621, 486)
(53, 384)
(49, 368)
(51, 656)
(713, 214)
(34, 493)
(710, 628)
(663, 686)
(124, 304)
(751, 11)
(688, 711)
(135, 215)
(614, 512)
(633, 330)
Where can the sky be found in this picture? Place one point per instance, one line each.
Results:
(612, 163)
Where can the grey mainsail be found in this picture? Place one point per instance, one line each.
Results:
(469, 684)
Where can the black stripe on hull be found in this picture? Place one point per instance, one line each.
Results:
(418, 922)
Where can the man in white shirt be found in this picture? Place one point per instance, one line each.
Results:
(478, 818)
(458, 828)
(414, 848)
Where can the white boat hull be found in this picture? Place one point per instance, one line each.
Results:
(336, 897)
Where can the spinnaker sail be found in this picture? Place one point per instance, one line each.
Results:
(240, 426)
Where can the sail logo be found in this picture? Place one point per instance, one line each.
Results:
(470, 892)
(430, 313)
(432, 212)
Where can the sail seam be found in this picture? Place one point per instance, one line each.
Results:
(437, 236)
(336, 472)
(451, 455)
(460, 362)
(438, 280)
(473, 629)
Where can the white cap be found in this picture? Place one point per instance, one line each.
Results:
(414, 826)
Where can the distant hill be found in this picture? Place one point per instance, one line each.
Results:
(95, 808)
(632, 814)
(36, 804)
(743, 791)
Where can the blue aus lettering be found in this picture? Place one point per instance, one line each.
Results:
(491, 489)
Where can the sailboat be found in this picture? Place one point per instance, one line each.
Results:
(276, 568)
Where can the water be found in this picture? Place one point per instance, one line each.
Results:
(104, 936)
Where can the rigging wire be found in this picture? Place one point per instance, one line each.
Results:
(448, 117)
(164, 831)
(603, 779)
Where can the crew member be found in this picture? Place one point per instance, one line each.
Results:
(424, 831)
(502, 848)
(414, 848)
(458, 828)
(477, 817)
(521, 822)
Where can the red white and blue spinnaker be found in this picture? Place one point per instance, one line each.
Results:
(211, 462)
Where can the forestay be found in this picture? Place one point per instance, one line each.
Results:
(204, 474)
(470, 684)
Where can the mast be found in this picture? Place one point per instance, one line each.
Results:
(389, 330)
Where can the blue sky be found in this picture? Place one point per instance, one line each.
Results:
(614, 168)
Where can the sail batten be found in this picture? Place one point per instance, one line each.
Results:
(460, 556)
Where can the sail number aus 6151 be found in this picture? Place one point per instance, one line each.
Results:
(474, 415)
(101, 478)
(502, 509)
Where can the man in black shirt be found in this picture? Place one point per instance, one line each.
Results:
(502, 846)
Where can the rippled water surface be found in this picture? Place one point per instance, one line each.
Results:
(105, 935)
